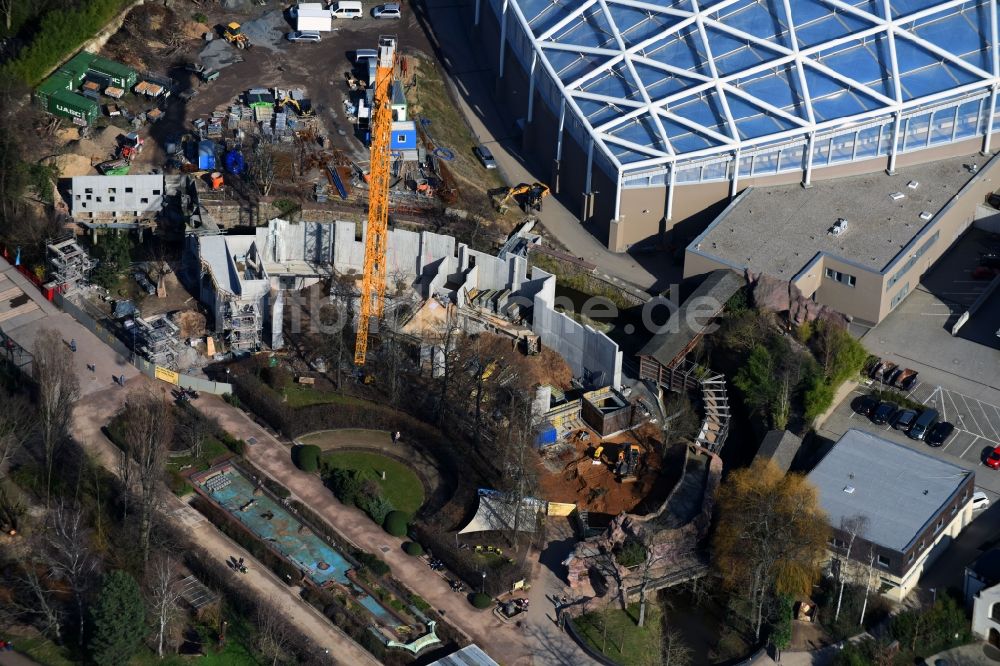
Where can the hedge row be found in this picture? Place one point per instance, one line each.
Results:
(60, 32)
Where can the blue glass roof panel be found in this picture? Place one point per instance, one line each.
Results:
(941, 47)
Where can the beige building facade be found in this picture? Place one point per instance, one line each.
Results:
(850, 277)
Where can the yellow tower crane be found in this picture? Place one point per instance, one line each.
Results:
(373, 282)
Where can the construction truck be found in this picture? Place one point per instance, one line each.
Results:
(233, 34)
(627, 467)
(528, 197)
(130, 146)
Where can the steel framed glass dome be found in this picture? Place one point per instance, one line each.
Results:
(661, 82)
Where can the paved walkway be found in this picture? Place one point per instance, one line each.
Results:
(94, 411)
(472, 85)
(539, 643)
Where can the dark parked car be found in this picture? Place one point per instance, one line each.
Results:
(927, 418)
(904, 419)
(867, 405)
(939, 433)
(884, 413)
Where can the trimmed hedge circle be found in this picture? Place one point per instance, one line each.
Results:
(482, 601)
(307, 457)
(413, 549)
(397, 523)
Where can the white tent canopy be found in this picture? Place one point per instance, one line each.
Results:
(496, 512)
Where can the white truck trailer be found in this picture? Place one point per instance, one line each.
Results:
(311, 17)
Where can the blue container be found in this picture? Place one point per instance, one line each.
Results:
(547, 436)
(206, 155)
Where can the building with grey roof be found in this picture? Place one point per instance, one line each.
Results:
(780, 447)
(912, 505)
(892, 228)
(470, 655)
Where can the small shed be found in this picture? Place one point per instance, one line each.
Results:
(398, 102)
(403, 142)
(780, 447)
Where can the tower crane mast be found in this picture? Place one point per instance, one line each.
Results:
(376, 239)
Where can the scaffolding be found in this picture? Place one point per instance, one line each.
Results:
(243, 325)
(69, 264)
(157, 340)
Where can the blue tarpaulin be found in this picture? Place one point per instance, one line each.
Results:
(206, 155)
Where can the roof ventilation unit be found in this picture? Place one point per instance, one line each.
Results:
(896, 196)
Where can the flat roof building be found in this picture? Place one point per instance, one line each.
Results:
(647, 113)
(893, 229)
(912, 504)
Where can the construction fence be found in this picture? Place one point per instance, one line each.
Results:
(145, 367)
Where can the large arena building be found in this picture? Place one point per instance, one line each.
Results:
(651, 111)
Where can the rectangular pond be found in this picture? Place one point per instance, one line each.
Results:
(273, 523)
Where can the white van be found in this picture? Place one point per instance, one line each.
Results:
(346, 9)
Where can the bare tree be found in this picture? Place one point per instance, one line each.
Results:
(675, 651)
(7, 9)
(272, 634)
(125, 469)
(69, 556)
(58, 388)
(149, 425)
(262, 167)
(164, 595)
(872, 555)
(16, 424)
(41, 598)
(518, 471)
(854, 526)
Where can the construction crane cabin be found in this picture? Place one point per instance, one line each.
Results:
(376, 239)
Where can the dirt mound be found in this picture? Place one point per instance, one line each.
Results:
(194, 30)
(191, 323)
(70, 165)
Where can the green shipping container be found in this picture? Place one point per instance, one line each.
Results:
(70, 105)
(120, 75)
(76, 67)
(57, 82)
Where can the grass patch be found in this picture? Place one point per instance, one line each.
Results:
(624, 641)
(40, 649)
(402, 486)
(300, 395)
(211, 449)
(448, 129)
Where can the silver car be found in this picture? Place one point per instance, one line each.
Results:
(485, 156)
(304, 36)
(390, 10)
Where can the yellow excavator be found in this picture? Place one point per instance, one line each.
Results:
(295, 105)
(528, 197)
(234, 35)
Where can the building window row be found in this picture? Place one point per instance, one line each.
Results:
(842, 278)
(921, 251)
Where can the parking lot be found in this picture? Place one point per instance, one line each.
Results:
(976, 421)
(918, 333)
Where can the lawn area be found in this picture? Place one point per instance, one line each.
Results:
(210, 450)
(300, 395)
(401, 486)
(626, 642)
(331, 439)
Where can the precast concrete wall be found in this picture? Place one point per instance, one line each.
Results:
(586, 350)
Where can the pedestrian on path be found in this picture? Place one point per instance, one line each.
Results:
(72, 345)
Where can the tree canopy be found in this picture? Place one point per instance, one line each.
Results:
(119, 620)
(769, 539)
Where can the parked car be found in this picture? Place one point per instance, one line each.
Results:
(923, 424)
(980, 501)
(904, 419)
(304, 36)
(906, 379)
(939, 433)
(485, 156)
(893, 376)
(867, 405)
(992, 459)
(884, 413)
(389, 10)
